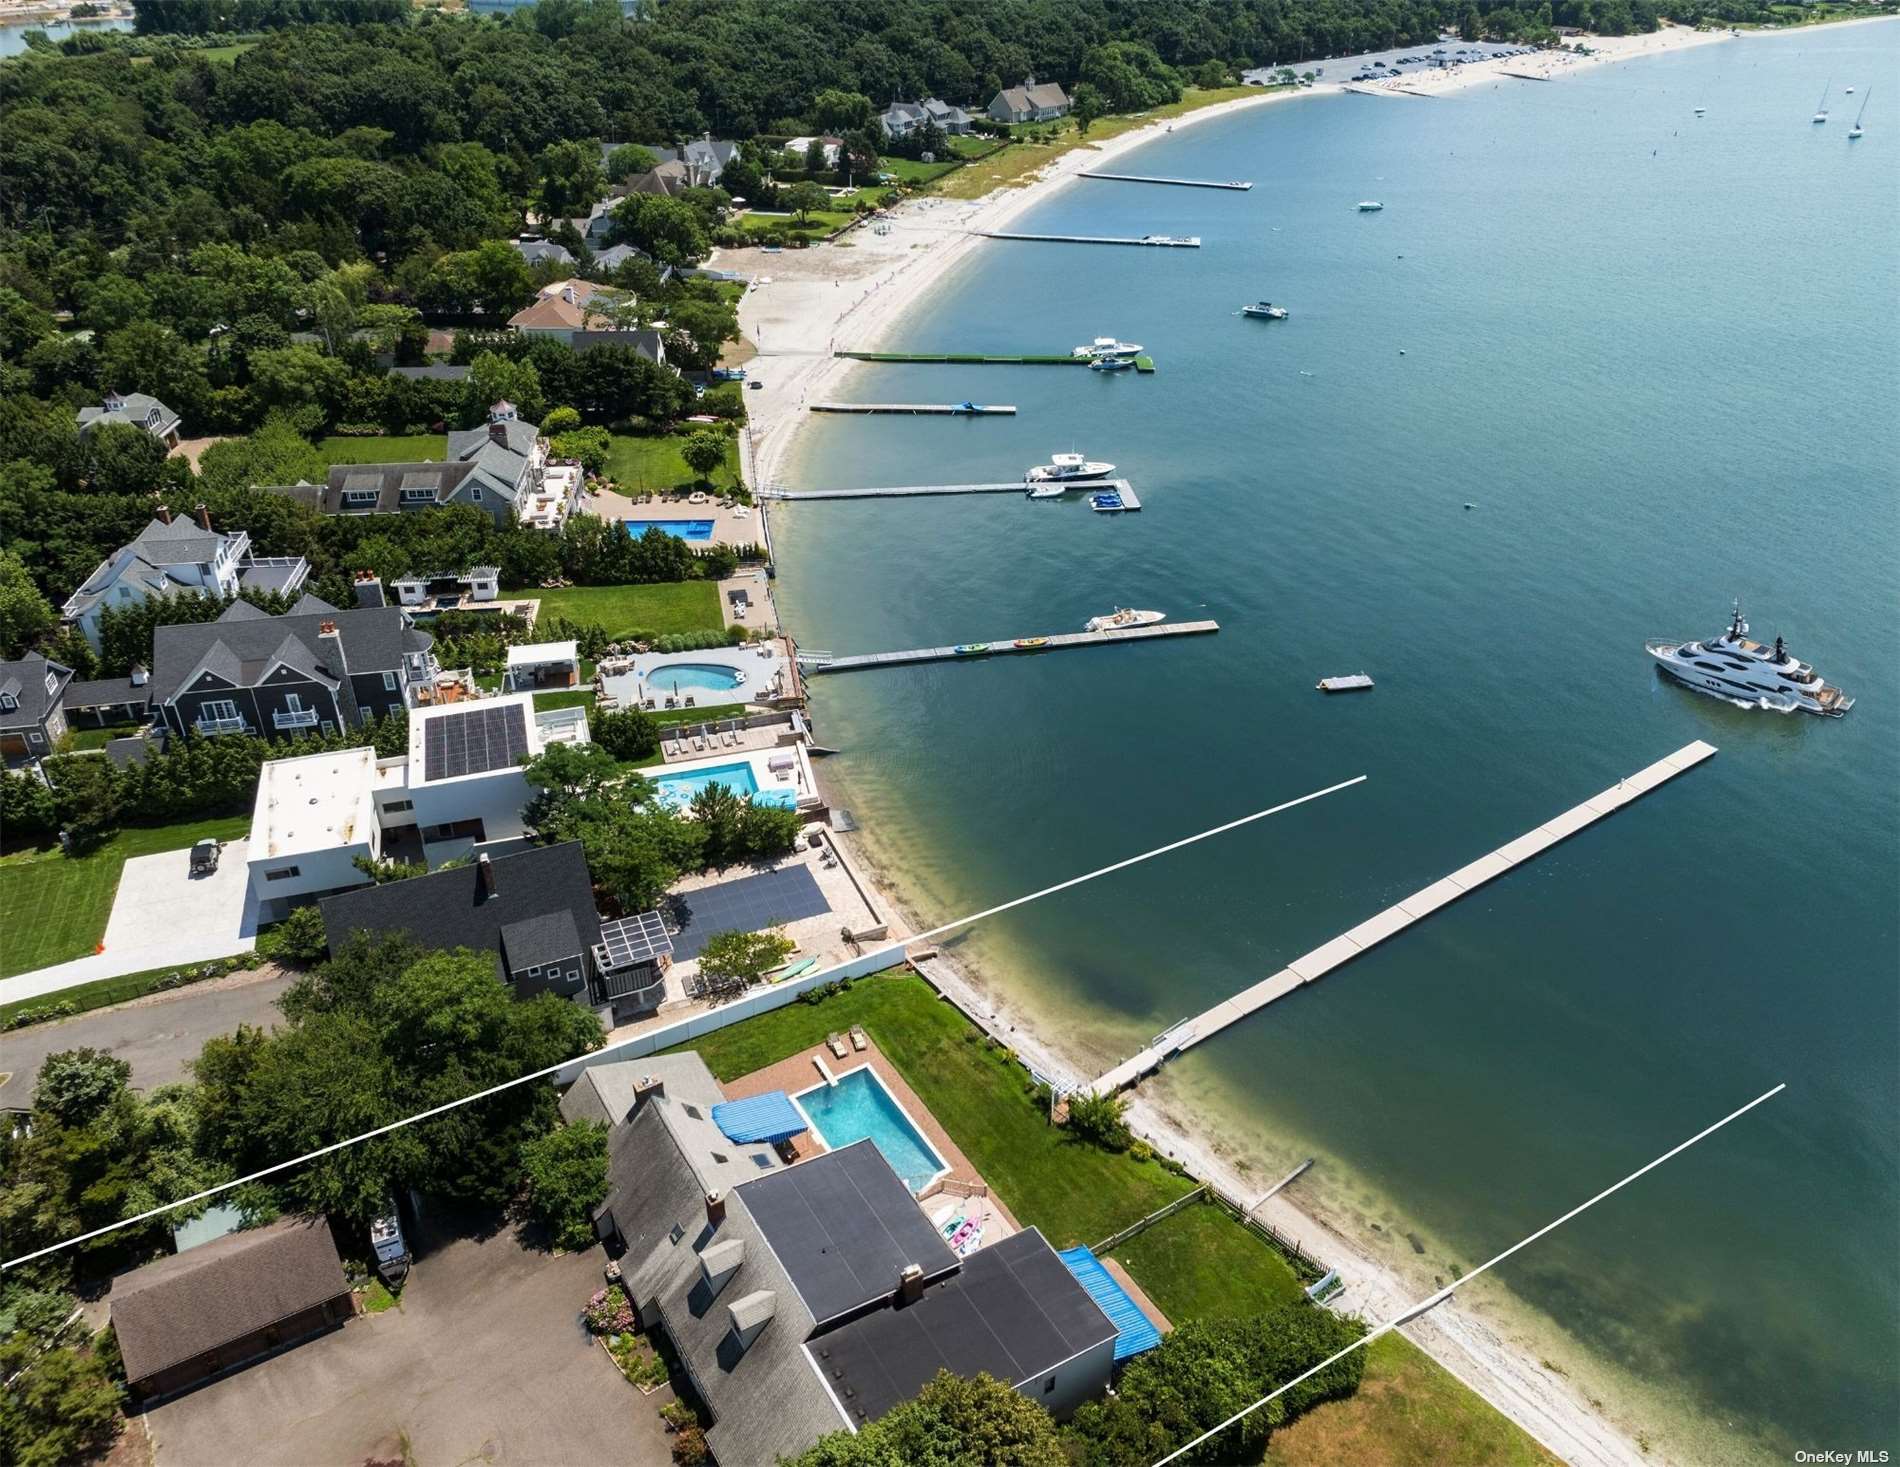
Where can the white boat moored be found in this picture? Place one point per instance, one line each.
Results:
(1123, 616)
(1068, 468)
(1749, 674)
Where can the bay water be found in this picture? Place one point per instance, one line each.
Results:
(1598, 368)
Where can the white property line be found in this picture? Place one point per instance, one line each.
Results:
(1407, 1315)
(551, 1070)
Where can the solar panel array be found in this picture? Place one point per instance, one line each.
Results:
(629, 940)
(475, 742)
(749, 904)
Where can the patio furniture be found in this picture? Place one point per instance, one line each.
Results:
(858, 1041)
(835, 1041)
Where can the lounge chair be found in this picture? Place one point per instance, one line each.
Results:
(835, 1041)
(732, 739)
(699, 744)
(858, 1041)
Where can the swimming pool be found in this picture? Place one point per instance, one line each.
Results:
(693, 677)
(859, 1107)
(678, 789)
(679, 529)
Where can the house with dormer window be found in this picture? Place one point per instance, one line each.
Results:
(174, 556)
(32, 711)
(135, 410)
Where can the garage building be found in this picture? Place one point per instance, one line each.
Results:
(226, 1303)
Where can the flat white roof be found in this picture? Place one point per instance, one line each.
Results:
(315, 803)
(534, 654)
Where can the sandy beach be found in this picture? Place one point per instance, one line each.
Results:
(803, 305)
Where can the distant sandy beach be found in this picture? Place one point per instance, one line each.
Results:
(807, 303)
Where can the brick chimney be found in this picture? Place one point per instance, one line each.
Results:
(369, 589)
(910, 1283)
(204, 518)
(715, 1209)
(164, 514)
(498, 432)
(646, 1088)
(485, 873)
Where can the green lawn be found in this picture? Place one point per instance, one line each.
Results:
(106, 992)
(56, 908)
(97, 738)
(1408, 1413)
(1075, 1192)
(670, 606)
(384, 449)
(647, 465)
(817, 224)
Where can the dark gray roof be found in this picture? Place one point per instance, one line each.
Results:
(534, 251)
(534, 942)
(25, 682)
(648, 343)
(145, 560)
(242, 643)
(434, 372)
(221, 1291)
(107, 692)
(1013, 1311)
(448, 908)
(128, 751)
(844, 1226)
(388, 480)
(279, 573)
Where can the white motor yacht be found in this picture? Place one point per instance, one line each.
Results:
(1107, 346)
(1265, 311)
(1122, 616)
(1068, 468)
(1370, 206)
(1748, 673)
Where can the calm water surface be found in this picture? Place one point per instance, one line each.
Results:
(1658, 354)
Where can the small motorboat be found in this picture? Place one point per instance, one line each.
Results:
(1123, 616)
(1111, 364)
(1066, 468)
(1107, 346)
(970, 649)
(1264, 311)
(1370, 206)
(1029, 644)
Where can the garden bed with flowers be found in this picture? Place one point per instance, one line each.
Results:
(610, 1318)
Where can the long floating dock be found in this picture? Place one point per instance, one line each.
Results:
(1143, 363)
(923, 409)
(1152, 241)
(919, 491)
(1395, 919)
(817, 662)
(1239, 184)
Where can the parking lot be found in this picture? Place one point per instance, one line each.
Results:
(486, 1361)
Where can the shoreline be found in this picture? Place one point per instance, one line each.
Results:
(795, 322)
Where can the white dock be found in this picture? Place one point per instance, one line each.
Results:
(1152, 241)
(816, 662)
(917, 491)
(926, 409)
(1239, 184)
(1395, 919)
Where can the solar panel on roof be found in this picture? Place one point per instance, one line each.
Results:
(637, 939)
(749, 904)
(475, 742)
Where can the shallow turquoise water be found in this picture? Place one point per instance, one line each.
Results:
(1658, 354)
(857, 1108)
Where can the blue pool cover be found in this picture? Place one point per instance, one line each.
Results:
(769, 1117)
(1134, 1331)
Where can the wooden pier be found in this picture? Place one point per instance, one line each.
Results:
(1152, 241)
(1238, 185)
(817, 662)
(920, 491)
(1143, 363)
(922, 409)
(1395, 919)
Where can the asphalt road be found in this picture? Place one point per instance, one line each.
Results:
(157, 1039)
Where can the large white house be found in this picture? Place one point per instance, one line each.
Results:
(458, 788)
(173, 556)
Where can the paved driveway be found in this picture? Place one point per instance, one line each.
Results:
(485, 1362)
(161, 916)
(157, 1036)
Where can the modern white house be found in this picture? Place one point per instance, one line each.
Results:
(173, 556)
(458, 788)
(831, 146)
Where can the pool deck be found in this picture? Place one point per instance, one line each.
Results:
(761, 662)
(729, 526)
(800, 1073)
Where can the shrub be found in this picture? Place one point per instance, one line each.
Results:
(628, 734)
(1098, 1119)
(609, 1311)
(300, 937)
(566, 1173)
(689, 1447)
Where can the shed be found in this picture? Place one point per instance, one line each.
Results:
(540, 665)
(225, 1303)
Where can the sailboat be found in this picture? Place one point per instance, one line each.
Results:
(1820, 112)
(1855, 130)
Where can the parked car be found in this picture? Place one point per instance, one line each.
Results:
(204, 857)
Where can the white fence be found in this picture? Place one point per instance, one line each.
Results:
(759, 1001)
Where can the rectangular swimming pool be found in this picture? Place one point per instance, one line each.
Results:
(679, 529)
(679, 789)
(859, 1108)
